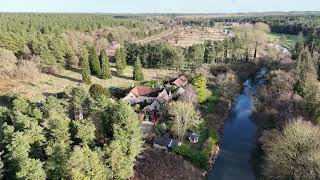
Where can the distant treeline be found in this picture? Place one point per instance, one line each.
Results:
(288, 24)
(309, 25)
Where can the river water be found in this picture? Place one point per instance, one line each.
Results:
(238, 140)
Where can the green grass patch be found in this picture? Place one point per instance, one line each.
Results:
(202, 130)
(286, 40)
(209, 105)
(197, 158)
(153, 83)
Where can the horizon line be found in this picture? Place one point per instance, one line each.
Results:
(188, 13)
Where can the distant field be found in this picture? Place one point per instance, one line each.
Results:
(286, 40)
(196, 35)
(45, 84)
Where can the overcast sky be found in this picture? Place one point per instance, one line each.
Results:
(158, 6)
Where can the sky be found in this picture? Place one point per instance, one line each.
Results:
(158, 6)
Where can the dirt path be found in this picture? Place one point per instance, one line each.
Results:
(157, 37)
(111, 51)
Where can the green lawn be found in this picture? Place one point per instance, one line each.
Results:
(286, 40)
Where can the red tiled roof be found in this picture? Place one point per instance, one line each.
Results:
(163, 95)
(181, 81)
(141, 90)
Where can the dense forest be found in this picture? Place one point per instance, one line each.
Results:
(56, 139)
(56, 38)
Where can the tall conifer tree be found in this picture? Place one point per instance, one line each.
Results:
(105, 65)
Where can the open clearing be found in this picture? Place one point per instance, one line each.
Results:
(46, 84)
(285, 40)
(191, 35)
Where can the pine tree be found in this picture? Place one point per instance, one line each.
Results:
(86, 164)
(137, 70)
(85, 131)
(105, 65)
(299, 46)
(209, 53)
(86, 74)
(120, 123)
(120, 60)
(58, 147)
(94, 62)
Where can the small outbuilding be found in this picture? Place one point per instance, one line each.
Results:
(165, 143)
(194, 137)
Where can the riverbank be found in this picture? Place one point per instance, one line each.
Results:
(238, 137)
(217, 109)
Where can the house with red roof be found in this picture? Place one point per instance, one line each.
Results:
(139, 94)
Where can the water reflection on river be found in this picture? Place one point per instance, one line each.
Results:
(238, 141)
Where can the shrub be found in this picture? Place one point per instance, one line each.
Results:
(27, 69)
(7, 63)
(200, 83)
(212, 140)
(281, 83)
(97, 90)
(162, 128)
(197, 158)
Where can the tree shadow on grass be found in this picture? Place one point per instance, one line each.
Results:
(76, 70)
(115, 74)
(67, 78)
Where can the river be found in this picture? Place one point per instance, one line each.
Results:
(239, 137)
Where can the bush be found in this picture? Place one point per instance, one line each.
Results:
(200, 83)
(97, 90)
(27, 69)
(197, 158)
(8, 63)
(162, 128)
(281, 83)
(212, 140)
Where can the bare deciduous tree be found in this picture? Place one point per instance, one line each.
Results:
(293, 153)
(189, 95)
(184, 116)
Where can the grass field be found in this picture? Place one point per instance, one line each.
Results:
(286, 40)
(46, 84)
